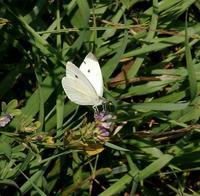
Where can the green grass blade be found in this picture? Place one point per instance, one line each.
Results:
(191, 71)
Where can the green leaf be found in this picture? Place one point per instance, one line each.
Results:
(5, 149)
(113, 146)
(190, 68)
(158, 164)
(158, 106)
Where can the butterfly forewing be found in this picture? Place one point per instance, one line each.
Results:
(91, 69)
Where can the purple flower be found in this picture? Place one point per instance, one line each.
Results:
(104, 125)
(102, 116)
(99, 116)
(103, 131)
(5, 119)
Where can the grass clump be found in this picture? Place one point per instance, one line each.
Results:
(149, 56)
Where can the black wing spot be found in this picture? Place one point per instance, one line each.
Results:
(88, 71)
(76, 76)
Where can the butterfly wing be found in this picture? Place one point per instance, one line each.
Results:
(78, 88)
(91, 69)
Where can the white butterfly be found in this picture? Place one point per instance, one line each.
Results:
(84, 86)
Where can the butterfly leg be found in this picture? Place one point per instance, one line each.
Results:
(96, 110)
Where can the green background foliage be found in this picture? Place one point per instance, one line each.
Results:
(149, 56)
